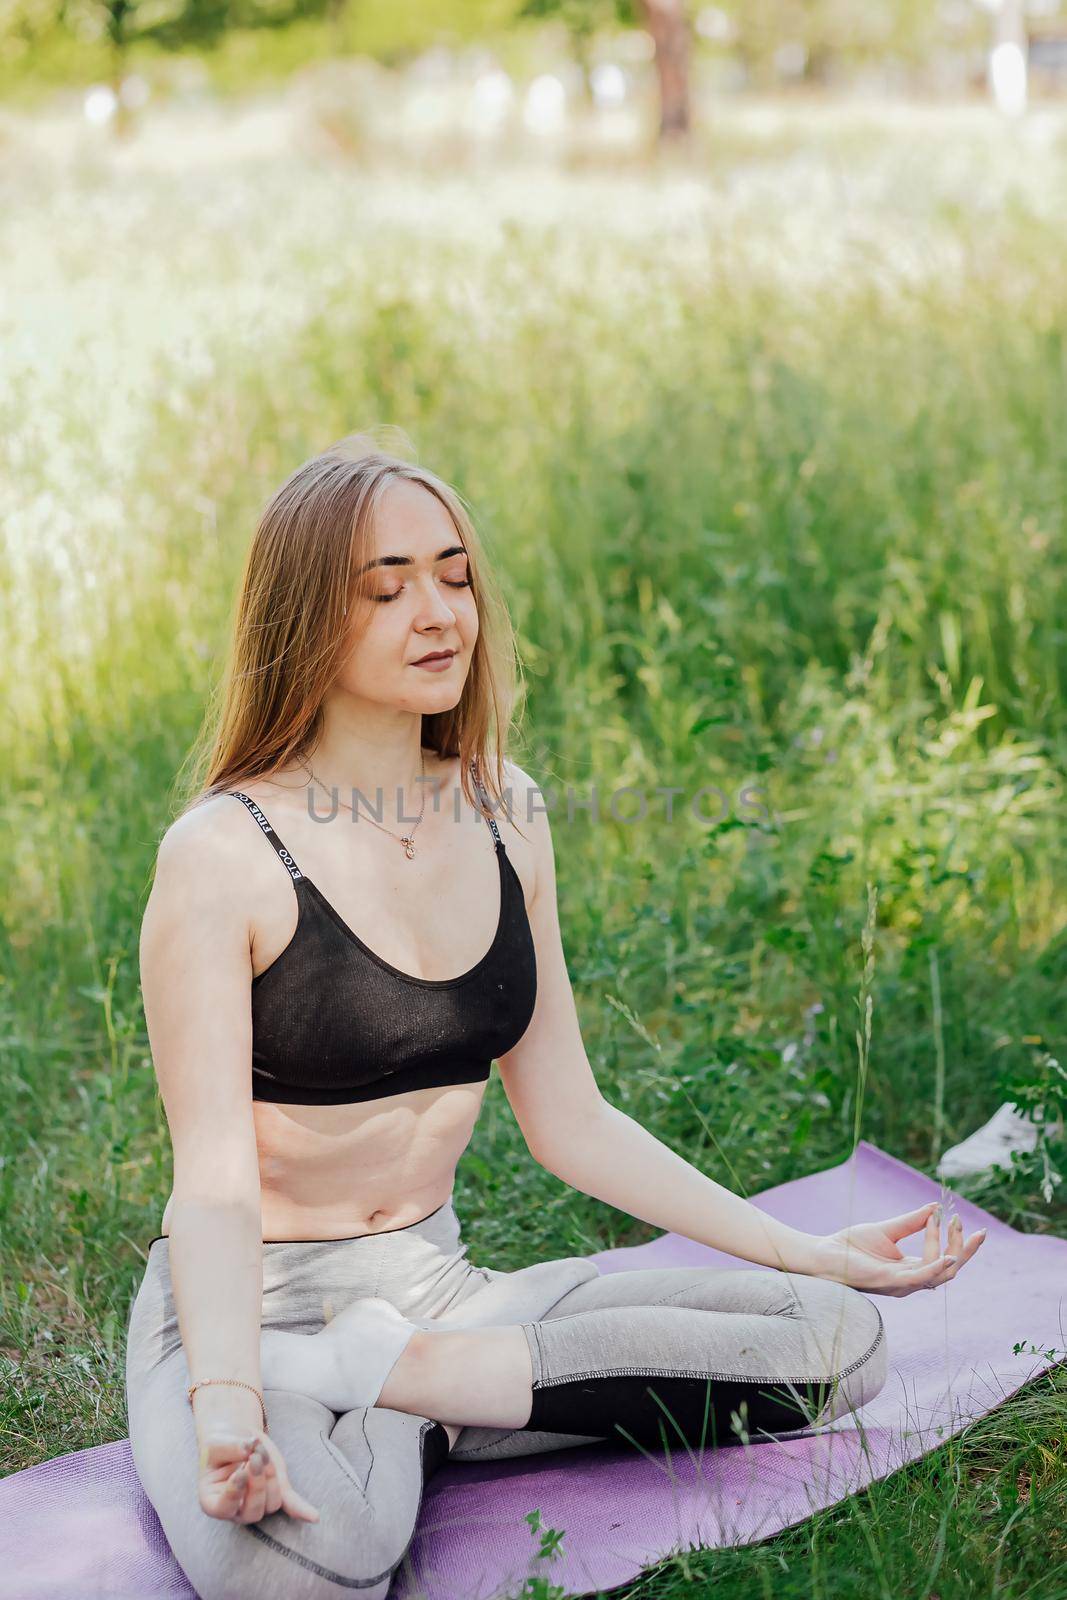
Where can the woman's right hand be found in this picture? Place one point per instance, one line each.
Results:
(243, 1478)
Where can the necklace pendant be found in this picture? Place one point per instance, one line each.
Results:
(409, 847)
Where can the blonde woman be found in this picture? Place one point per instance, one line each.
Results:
(347, 926)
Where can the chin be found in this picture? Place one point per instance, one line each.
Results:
(430, 703)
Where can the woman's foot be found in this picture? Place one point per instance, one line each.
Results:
(348, 1362)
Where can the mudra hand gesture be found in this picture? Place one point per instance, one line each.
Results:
(244, 1478)
(865, 1256)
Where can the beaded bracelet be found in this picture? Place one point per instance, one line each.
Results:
(240, 1384)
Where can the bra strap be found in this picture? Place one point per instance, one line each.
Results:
(485, 800)
(283, 854)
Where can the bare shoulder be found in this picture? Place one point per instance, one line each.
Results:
(206, 856)
(211, 827)
(523, 791)
(528, 809)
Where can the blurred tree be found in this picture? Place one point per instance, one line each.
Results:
(390, 34)
(818, 40)
(665, 21)
(171, 24)
(668, 24)
(394, 34)
(581, 19)
(202, 23)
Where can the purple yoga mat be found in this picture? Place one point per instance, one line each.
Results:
(80, 1528)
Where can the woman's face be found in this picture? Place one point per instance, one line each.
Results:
(421, 602)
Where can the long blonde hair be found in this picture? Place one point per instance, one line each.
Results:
(290, 634)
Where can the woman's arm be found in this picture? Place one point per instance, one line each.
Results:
(616, 1160)
(572, 1131)
(196, 972)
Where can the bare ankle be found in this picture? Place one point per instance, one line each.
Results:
(406, 1383)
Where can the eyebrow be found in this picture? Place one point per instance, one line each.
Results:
(407, 561)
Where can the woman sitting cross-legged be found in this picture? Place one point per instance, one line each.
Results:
(310, 1340)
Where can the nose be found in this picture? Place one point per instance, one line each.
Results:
(435, 609)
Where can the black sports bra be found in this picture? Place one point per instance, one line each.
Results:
(332, 1022)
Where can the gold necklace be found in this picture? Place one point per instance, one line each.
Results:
(407, 839)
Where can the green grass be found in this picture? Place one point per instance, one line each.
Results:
(772, 462)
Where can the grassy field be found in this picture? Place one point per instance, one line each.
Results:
(771, 453)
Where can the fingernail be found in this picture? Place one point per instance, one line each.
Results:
(951, 1260)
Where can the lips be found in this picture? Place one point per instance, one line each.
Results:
(435, 655)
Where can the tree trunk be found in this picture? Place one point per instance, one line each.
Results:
(668, 24)
(581, 40)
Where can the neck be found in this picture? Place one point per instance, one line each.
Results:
(386, 770)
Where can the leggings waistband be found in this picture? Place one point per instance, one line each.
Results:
(345, 1239)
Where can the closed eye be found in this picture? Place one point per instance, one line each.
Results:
(381, 598)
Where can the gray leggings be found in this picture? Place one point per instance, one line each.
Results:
(662, 1358)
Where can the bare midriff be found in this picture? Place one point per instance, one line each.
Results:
(331, 1172)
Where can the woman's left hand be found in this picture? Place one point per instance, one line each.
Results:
(866, 1256)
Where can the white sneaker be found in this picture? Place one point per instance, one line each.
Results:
(991, 1145)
